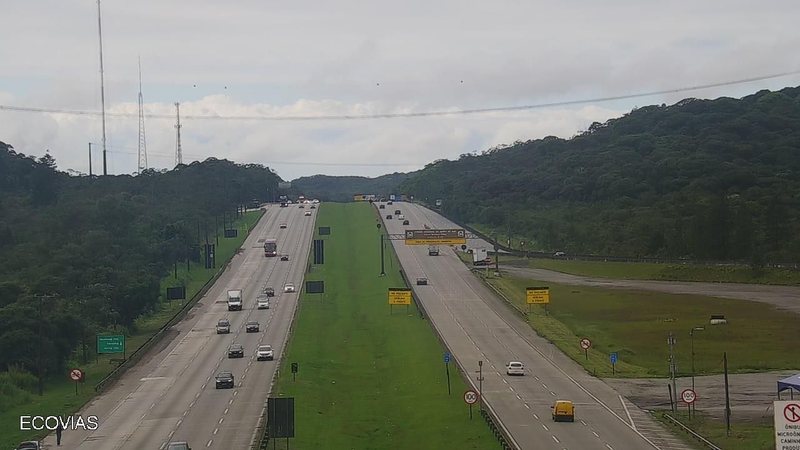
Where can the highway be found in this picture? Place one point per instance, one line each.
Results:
(477, 327)
(170, 395)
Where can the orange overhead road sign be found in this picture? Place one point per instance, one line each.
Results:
(429, 236)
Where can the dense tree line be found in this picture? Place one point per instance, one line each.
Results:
(706, 179)
(342, 189)
(100, 245)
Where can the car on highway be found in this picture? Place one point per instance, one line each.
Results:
(388, 203)
(382, 207)
(422, 281)
(288, 287)
(251, 327)
(283, 225)
(563, 411)
(405, 222)
(264, 353)
(307, 213)
(388, 216)
(284, 257)
(558, 254)
(262, 301)
(397, 212)
(223, 326)
(269, 291)
(302, 206)
(30, 445)
(181, 445)
(236, 351)
(515, 368)
(223, 380)
(313, 207)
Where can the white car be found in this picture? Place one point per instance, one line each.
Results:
(307, 213)
(515, 368)
(264, 353)
(288, 287)
(263, 301)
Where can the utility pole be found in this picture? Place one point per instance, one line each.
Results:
(39, 360)
(102, 89)
(727, 396)
(142, 139)
(383, 272)
(90, 160)
(178, 152)
(480, 383)
(672, 368)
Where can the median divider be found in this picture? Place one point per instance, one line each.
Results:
(692, 433)
(156, 337)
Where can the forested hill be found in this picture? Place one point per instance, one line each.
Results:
(708, 179)
(342, 189)
(101, 244)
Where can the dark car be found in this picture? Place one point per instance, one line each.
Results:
(251, 327)
(422, 281)
(388, 203)
(284, 257)
(269, 291)
(405, 222)
(302, 206)
(236, 351)
(382, 207)
(397, 212)
(388, 216)
(181, 445)
(224, 380)
(313, 207)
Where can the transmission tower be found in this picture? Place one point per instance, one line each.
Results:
(178, 154)
(142, 140)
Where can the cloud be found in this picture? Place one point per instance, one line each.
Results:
(310, 57)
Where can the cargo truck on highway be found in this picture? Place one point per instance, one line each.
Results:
(480, 257)
(235, 300)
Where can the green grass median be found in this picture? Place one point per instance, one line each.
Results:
(59, 393)
(369, 377)
(750, 435)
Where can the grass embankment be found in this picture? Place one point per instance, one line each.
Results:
(635, 324)
(59, 392)
(368, 378)
(744, 436)
(648, 271)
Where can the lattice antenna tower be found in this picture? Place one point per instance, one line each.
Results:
(142, 139)
(178, 152)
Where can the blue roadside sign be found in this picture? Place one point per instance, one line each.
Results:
(446, 357)
(613, 358)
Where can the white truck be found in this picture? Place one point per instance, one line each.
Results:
(235, 300)
(480, 257)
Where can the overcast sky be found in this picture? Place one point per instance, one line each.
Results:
(322, 57)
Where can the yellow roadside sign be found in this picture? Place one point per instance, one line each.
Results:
(399, 296)
(537, 295)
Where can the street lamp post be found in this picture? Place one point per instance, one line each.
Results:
(691, 339)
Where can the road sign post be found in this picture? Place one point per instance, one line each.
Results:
(586, 344)
(294, 371)
(76, 375)
(613, 358)
(688, 396)
(447, 370)
(470, 397)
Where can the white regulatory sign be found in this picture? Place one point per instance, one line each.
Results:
(470, 397)
(688, 396)
(787, 424)
(586, 343)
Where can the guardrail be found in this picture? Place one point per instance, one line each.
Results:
(156, 337)
(499, 430)
(693, 433)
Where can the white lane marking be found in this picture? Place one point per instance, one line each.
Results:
(179, 423)
(143, 415)
(230, 401)
(545, 427)
(208, 444)
(527, 406)
(555, 438)
(220, 420)
(185, 413)
(628, 413)
(545, 386)
(151, 378)
(197, 395)
(191, 404)
(583, 422)
(609, 447)
(235, 392)
(535, 416)
(216, 430)
(226, 411)
(552, 393)
(519, 397)
(163, 444)
(595, 434)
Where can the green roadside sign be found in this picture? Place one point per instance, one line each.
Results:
(111, 344)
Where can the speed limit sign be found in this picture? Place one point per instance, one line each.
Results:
(470, 397)
(688, 396)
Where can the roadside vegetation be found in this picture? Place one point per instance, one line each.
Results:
(749, 435)
(369, 377)
(635, 325)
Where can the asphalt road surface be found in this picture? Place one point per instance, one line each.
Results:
(170, 395)
(476, 326)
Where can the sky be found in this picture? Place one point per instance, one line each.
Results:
(248, 74)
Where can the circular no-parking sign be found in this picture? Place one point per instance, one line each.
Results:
(688, 396)
(76, 374)
(586, 343)
(792, 412)
(470, 397)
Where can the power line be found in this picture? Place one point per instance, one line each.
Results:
(412, 114)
